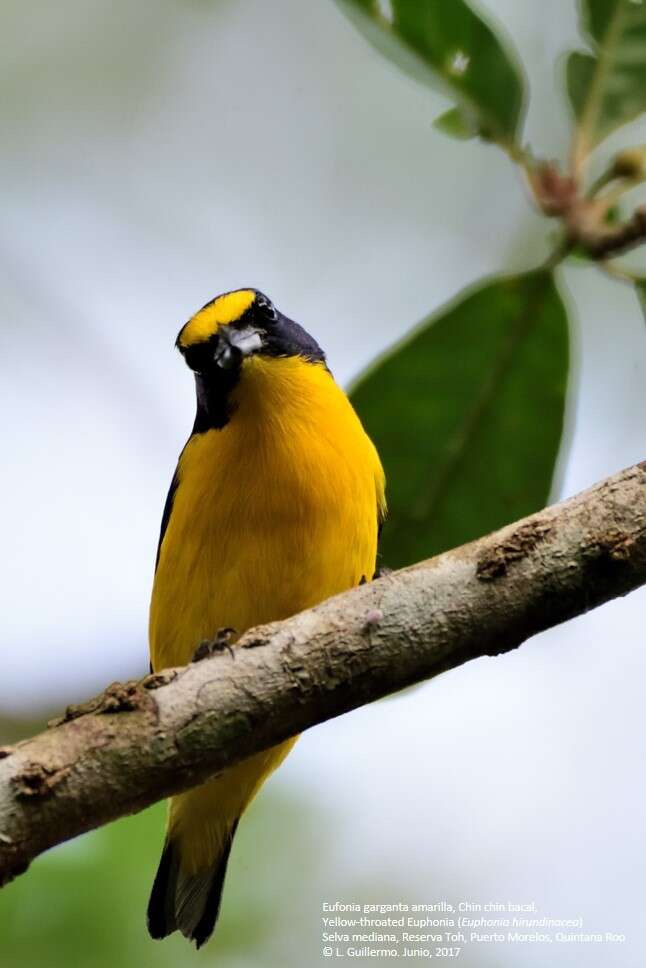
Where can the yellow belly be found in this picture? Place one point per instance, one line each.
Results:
(272, 514)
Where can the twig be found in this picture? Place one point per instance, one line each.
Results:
(603, 243)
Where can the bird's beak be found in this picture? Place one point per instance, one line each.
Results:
(235, 343)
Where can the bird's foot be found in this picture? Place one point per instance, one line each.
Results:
(220, 641)
(382, 572)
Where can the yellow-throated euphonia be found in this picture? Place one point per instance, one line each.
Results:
(274, 506)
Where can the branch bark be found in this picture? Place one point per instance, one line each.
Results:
(618, 239)
(141, 741)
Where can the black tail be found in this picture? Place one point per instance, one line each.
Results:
(189, 903)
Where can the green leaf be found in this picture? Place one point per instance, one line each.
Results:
(467, 415)
(446, 44)
(640, 288)
(608, 88)
(454, 123)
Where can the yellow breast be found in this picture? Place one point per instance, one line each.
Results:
(273, 513)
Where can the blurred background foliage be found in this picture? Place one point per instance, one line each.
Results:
(77, 906)
(160, 153)
(465, 453)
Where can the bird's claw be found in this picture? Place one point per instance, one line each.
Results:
(382, 572)
(220, 641)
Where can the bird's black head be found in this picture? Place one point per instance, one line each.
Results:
(237, 325)
(231, 329)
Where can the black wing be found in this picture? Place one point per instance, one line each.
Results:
(168, 507)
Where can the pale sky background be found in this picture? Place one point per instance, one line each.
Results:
(155, 154)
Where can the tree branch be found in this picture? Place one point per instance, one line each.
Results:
(584, 216)
(141, 741)
(613, 241)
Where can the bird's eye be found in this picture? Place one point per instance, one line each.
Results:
(266, 309)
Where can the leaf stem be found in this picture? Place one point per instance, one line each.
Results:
(583, 139)
(621, 275)
(560, 253)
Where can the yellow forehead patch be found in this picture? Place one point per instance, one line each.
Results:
(225, 309)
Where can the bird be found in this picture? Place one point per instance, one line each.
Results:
(275, 505)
